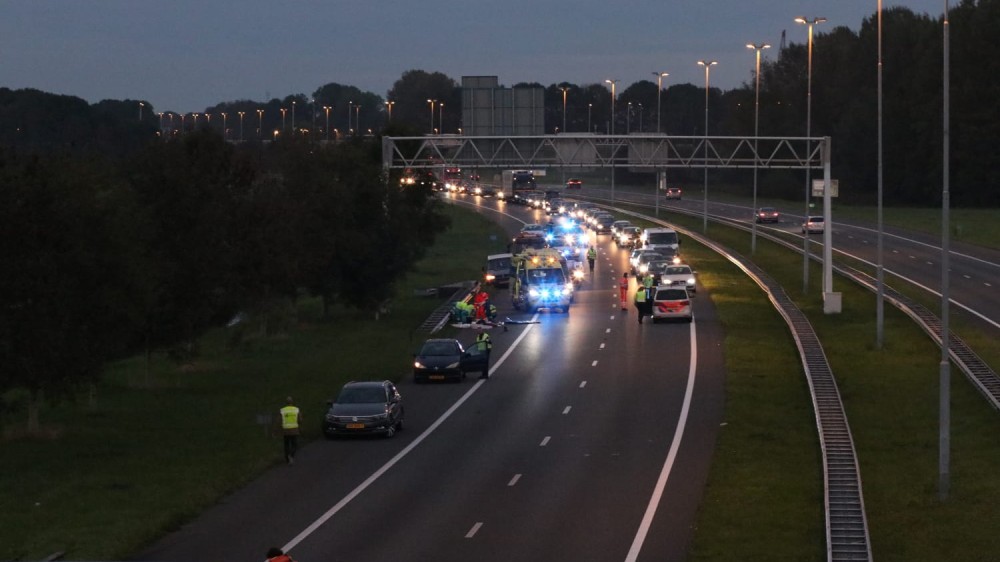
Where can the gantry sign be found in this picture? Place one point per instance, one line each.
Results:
(570, 150)
(649, 151)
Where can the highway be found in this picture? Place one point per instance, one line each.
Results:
(591, 441)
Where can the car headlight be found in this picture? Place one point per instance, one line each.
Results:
(568, 289)
(643, 268)
(690, 281)
(479, 191)
(490, 277)
(533, 292)
(417, 365)
(578, 274)
(677, 260)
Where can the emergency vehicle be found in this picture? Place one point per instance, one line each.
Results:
(541, 281)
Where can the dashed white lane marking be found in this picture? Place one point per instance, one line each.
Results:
(567, 409)
(929, 262)
(913, 257)
(967, 276)
(514, 480)
(987, 284)
(602, 346)
(475, 529)
(607, 331)
(594, 364)
(545, 441)
(895, 251)
(583, 384)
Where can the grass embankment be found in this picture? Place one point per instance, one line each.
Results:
(764, 499)
(148, 455)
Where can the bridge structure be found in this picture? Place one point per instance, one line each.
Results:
(652, 151)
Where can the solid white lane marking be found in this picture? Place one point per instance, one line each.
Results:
(583, 384)
(661, 482)
(567, 409)
(545, 441)
(514, 480)
(406, 450)
(594, 364)
(913, 257)
(602, 346)
(475, 529)
(929, 262)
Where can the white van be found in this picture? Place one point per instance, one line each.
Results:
(661, 238)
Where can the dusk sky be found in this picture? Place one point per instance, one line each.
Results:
(186, 55)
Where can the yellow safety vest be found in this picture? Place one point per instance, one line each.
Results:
(289, 417)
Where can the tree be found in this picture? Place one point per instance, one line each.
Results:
(411, 92)
(66, 234)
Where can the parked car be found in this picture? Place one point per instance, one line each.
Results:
(642, 262)
(444, 358)
(671, 302)
(365, 407)
(618, 225)
(813, 225)
(628, 236)
(768, 214)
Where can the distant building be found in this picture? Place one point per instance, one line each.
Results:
(491, 110)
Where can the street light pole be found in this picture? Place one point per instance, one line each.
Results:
(260, 123)
(590, 108)
(432, 102)
(441, 116)
(224, 126)
(944, 400)
(389, 105)
(564, 90)
(640, 117)
(628, 119)
(659, 89)
(327, 109)
(613, 147)
(293, 117)
(357, 118)
(283, 110)
(809, 65)
(756, 124)
(704, 217)
(141, 105)
(242, 113)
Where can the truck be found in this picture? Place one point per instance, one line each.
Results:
(541, 281)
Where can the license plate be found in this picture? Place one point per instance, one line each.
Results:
(437, 377)
(355, 426)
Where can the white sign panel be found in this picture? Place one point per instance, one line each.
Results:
(818, 188)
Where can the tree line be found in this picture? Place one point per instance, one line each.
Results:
(107, 256)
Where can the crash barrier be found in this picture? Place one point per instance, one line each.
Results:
(462, 292)
(847, 536)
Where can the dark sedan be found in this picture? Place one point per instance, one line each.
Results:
(441, 359)
(364, 408)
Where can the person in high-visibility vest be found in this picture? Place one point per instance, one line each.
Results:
(647, 284)
(485, 344)
(623, 291)
(640, 302)
(591, 256)
(291, 419)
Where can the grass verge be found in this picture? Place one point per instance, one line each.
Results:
(147, 455)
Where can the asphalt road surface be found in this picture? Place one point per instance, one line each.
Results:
(591, 441)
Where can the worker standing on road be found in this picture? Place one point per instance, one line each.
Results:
(623, 290)
(591, 256)
(479, 302)
(641, 302)
(291, 419)
(485, 345)
(647, 284)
